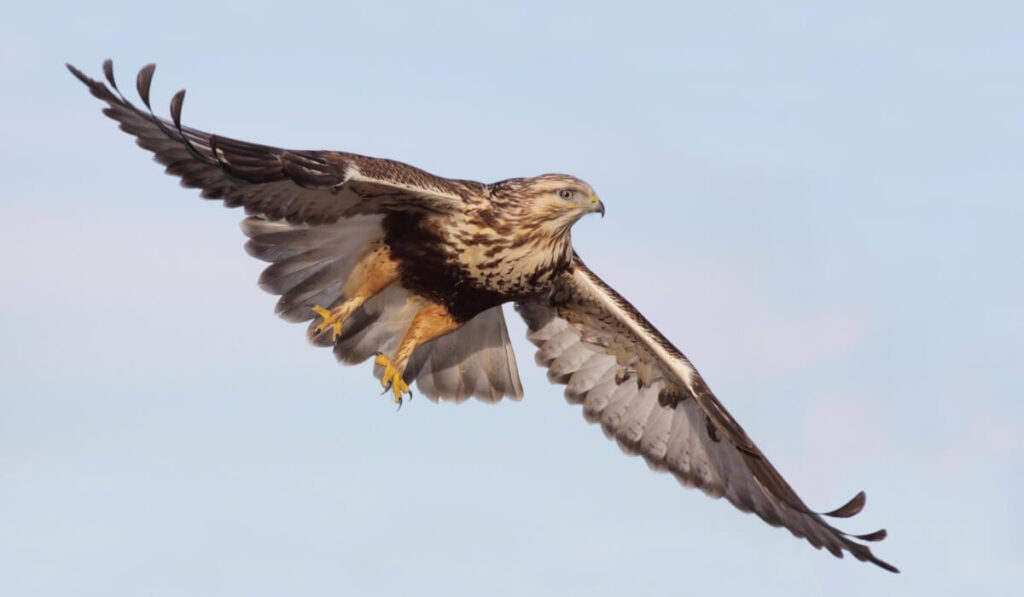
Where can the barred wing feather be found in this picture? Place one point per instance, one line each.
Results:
(301, 187)
(648, 397)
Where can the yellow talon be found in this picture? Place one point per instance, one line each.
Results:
(330, 320)
(392, 379)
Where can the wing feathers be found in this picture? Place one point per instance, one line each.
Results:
(634, 421)
(649, 398)
(598, 368)
(597, 399)
(656, 430)
(876, 536)
(307, 187)
(850, 508)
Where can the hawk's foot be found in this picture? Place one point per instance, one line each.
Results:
(392, 379)
(332, 318)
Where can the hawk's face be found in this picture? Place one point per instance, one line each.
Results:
(552, 203)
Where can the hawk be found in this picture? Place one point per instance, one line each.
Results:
(386, 261)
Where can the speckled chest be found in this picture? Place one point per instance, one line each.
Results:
(468, 268)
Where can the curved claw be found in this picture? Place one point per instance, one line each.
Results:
(392, 378)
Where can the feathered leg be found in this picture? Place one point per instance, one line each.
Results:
(432, 321)
(371, 275)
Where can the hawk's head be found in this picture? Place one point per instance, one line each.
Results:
(550, 202)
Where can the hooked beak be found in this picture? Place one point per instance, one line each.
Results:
(597, 206)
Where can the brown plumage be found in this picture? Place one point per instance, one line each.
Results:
(388, 261)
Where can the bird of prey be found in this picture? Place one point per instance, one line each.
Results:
(392, 263)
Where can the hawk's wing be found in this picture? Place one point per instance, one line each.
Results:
(650, 399)
(300, 187)
(315, 215)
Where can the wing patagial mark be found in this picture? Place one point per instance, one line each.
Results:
(711, 429)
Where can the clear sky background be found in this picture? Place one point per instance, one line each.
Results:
(820, 203)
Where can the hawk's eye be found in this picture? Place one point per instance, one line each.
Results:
(565, 193)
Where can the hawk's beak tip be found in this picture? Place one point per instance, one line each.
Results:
(600, 208)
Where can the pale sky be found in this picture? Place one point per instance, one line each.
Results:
(820, 204)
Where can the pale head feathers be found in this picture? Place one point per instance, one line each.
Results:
(551, 203)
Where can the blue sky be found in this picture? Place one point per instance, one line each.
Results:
(819, 203)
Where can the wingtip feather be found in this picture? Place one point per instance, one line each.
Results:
(142, 82)
(865, 555)
(78, 74)
(176, 102)
(873, 537)
(108, 72)
(850, 508)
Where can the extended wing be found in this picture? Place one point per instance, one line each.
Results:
(650, 399)
(315, 214)
(300, 187)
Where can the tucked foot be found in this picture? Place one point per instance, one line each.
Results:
(392, 379)
(331, 319)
